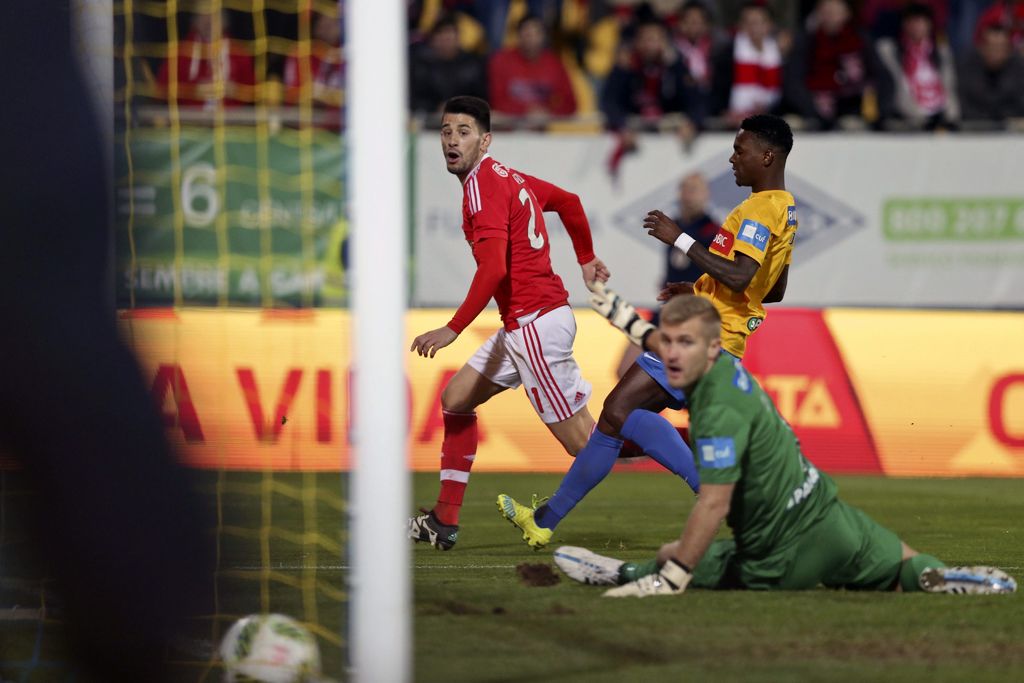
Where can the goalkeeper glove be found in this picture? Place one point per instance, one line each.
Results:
(672, 579)
(619, 312)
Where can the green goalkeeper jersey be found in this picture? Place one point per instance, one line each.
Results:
(739, 437)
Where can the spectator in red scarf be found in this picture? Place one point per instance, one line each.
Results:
(919, 82)
(1007, 13)
(828, 68)
(748, 76)
(211, 66)
(529, 79)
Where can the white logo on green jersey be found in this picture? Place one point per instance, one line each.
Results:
(801, 493)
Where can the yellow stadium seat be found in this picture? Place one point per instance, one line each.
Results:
(602, 47)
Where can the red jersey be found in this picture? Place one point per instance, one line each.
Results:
(327, 72)
(500, 203)
(200, 72)
(518, 84)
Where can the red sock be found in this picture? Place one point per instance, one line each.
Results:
(457, 453)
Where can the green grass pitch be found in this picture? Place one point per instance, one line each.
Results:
(475, 621)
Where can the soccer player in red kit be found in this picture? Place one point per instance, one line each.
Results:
(503, 221)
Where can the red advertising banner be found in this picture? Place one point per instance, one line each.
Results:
(794, 357)
(943, 391)
(246, 389)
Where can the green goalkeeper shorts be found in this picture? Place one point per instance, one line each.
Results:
(846, 549)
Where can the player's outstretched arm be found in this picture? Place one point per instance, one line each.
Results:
(595, 271)
(490, 271)
(678, 558)
(620, 313)
(570, 211)
(702, 525)
(735, 275)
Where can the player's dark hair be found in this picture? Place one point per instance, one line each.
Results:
(771, 130)
(684, 307)
(471, 106)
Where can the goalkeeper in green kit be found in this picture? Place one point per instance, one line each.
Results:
(790, 530)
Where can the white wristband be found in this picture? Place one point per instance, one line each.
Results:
(684, 242)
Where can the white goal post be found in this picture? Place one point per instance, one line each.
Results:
(377, 136)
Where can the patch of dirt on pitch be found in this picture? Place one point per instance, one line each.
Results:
(455, 607)
(448, 607)
(559, 608)
(536, 574)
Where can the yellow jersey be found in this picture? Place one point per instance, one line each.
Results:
(762, 227)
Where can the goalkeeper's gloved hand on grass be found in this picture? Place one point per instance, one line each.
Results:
(619, 312)
(672, 579)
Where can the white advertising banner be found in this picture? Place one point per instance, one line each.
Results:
(885, 220)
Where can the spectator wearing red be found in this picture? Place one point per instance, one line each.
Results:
(919, 79)
(828, 67)
(1006, 13)
(529, 79)
(749, 75)
(325, 71)
(210, 65)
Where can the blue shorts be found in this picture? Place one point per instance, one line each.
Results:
(652, 365)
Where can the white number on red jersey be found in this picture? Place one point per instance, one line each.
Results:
(536, 239)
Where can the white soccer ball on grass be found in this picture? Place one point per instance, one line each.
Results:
(269, 648)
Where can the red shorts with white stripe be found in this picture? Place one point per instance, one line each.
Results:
(538, 356)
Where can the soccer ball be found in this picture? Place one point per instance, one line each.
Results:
(269, 648)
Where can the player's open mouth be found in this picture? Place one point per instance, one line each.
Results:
(452, 157)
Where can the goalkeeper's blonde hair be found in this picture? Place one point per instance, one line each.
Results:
(685, 307)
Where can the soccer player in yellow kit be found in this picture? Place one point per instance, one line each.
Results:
(756, 238)
(761, 229)
(746, 266)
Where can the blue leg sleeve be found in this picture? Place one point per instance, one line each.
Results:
(660, 440)
(592, 464)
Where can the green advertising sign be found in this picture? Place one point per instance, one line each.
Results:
(932, 219)
(230, 216)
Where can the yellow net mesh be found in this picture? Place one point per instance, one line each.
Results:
(229, 187)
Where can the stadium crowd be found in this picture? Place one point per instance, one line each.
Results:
(623, 65)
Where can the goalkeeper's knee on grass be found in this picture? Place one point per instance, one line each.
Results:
(619, 312)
